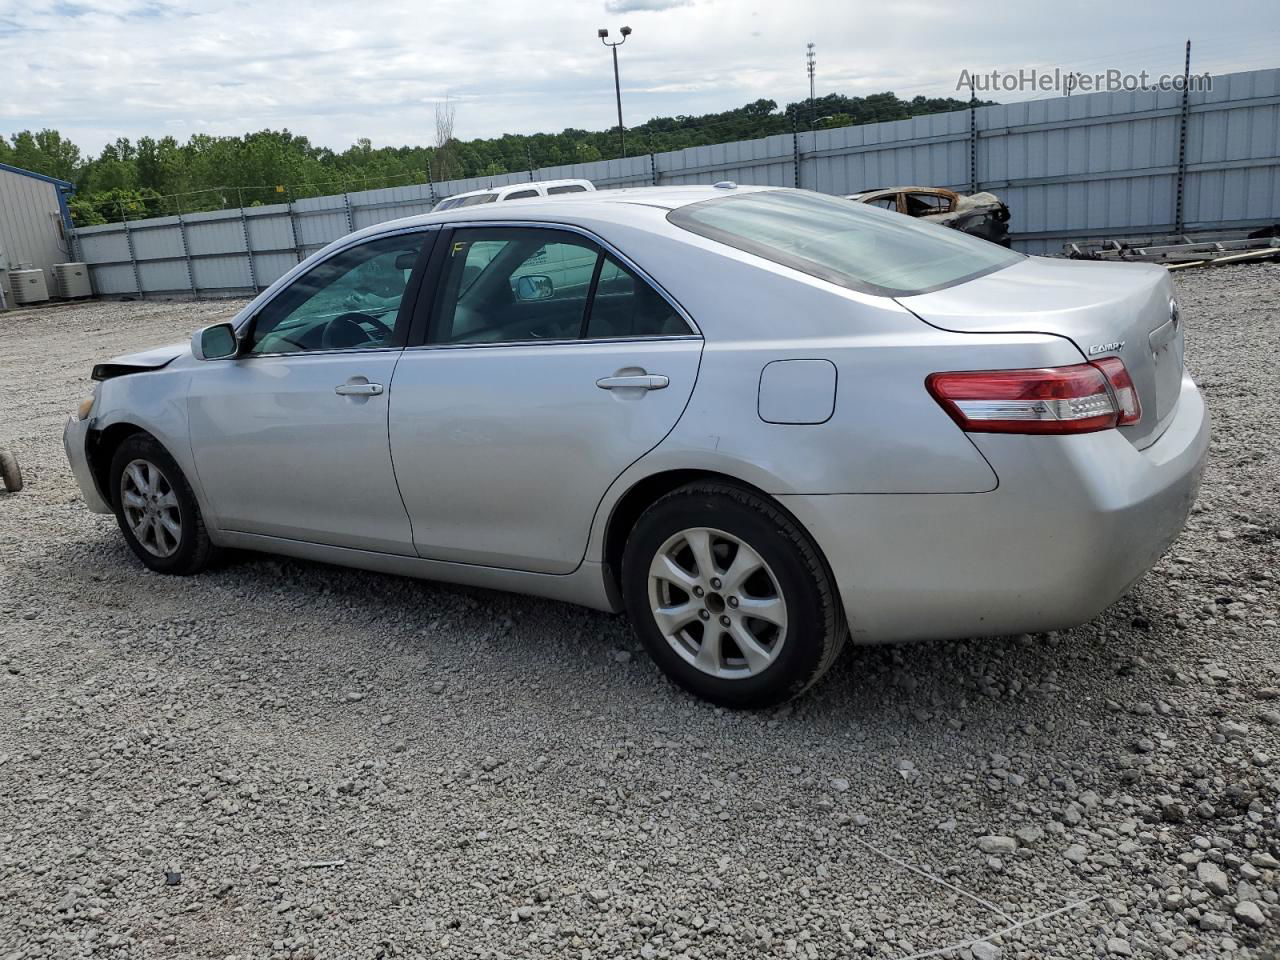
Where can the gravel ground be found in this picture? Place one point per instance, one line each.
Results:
(281, 759)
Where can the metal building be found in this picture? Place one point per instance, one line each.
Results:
(35, 224)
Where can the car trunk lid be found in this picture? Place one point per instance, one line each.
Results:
(1105, 309)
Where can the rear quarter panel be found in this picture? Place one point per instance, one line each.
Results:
(886, 434)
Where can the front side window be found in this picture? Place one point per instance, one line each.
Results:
(516, 284)
(350, 301)
(850, 244)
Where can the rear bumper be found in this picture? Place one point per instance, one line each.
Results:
(75, 436)
(1073, 523)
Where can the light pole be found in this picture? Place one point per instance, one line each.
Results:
(603, 34)
(810, 66)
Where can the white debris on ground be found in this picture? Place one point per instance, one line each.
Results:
(281, 759)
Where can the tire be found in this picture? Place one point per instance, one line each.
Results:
(153, 499)
(10, 474)
(768, 664)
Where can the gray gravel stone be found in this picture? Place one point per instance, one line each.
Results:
(1029, 835)
(1214, 922)
(997, 846)
(1250, 913)
(1214, 880)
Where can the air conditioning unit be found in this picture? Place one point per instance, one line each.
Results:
(72, 280)
(29, 286)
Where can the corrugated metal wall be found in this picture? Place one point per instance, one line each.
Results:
(30, 227)
(1071, 168)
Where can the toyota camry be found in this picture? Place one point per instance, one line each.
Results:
(763, 422)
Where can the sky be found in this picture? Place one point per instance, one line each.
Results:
(339, 71)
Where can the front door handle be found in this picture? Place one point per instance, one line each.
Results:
(646, 381)
(358, 389)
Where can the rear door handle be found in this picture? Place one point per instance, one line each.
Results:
(358, 389)
(646, 381)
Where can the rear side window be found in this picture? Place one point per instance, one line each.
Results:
(521, 195)
(924, 204)
(844, 242)
(479, 198)
(568, 188)
(519, 284)
(626, 306)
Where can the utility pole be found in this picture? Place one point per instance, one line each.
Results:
(617, 86)
(811, 63)
(1184, 114)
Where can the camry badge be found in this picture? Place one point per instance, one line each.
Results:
(1097, 348)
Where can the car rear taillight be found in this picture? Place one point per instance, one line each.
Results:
(1122, 389)
(1080, 398)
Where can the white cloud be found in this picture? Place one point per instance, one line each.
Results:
(630, 6)
(334, 72)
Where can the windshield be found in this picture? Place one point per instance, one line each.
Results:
(844, 242)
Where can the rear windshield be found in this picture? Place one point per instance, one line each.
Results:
(844, 242)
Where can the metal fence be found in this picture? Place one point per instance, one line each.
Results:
(1070, 168)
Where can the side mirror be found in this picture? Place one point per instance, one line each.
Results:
(217, 342)
(535, 287)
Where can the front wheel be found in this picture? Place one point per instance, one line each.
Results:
(156, 509)
(730, 597)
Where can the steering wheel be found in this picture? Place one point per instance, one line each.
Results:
(347, 330)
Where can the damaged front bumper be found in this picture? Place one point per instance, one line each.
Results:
(75, 438)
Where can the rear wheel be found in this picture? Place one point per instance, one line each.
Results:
(730, 597)
(156, 509)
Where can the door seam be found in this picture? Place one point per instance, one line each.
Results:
(391, 455)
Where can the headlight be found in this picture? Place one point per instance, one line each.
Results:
(86, 408)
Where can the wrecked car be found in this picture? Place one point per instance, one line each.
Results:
(980, 214)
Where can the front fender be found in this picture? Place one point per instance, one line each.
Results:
(154, 402)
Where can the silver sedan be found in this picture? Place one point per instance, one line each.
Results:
(762, 421)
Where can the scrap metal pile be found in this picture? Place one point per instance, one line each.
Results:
(1181, 252)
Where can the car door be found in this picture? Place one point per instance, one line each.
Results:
(550, 365)
(290, 436)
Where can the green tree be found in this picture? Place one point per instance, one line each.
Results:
(164, 176)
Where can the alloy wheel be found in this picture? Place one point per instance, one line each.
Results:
(717, 603)
(151, 508)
